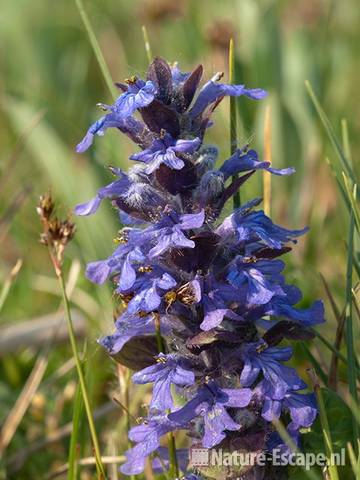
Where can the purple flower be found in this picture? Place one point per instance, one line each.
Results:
(278, 379)
(216, 299)
(314, 315)
(121, 261)
(164, 150)
(147, 438)
(302, 408)
(255, 226)
(139, 94)
(242, 161)
(209, 403)
(213, 91)
(162, 459)
(168, 233)
(149, 297)
(170, 370)
(114, 189)
(210, 287)
(260, 278)
(129, 326)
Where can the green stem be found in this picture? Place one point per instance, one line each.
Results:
(349, 326)
(73, 450)
(147, 44)
(97, 50)
(233, 119)
(99, 465)
(174, 467)
(333, 472)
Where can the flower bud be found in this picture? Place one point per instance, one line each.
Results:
(206, 159)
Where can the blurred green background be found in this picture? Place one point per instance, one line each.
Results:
(49, 86)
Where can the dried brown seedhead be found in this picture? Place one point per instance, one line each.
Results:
(56, 233)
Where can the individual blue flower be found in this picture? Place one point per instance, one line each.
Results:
(168, 233)
(255, 226)
(215, 299)
(114, 189)
(150, 296)
(162, 459)
(244, 161)
(169, 370)
(302, 408)
(260, 278)
(210, 402)
(129, 326)
(121, 262)
(213, 91)
(314, 315)
(139, 94)
(147, 439)
(278, 379)
(163, 151)
(283, 306)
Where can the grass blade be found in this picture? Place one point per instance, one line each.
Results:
(4, 292)
(330, 131)
(23, 401)
(349, 325)
(147, 44)
(325, 427)
(97, 50)
(72, 461)
(352, 195)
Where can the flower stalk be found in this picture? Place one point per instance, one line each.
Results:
(56, 236)
(206, 302)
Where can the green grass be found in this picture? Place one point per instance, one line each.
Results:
(50, 84)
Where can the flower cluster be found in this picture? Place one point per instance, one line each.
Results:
(213, 286)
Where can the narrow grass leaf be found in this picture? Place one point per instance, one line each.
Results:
(351, 192)
(9, 280)
(349, 325)
(147, 44)
(330, 131)
(333, 472)
(97, 50)
(73, 450)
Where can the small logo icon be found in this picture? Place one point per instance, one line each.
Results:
(199, 457)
